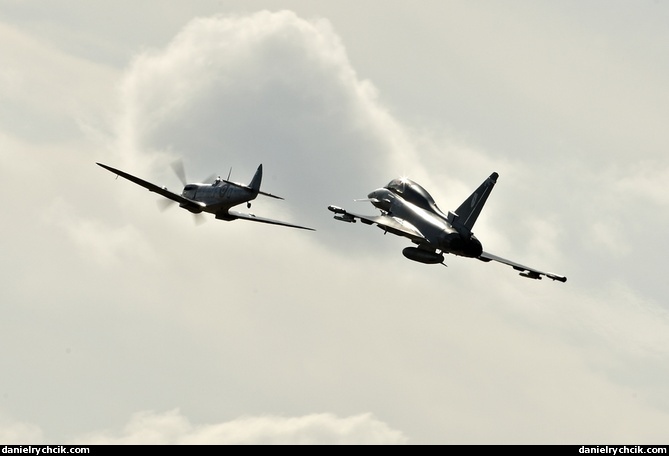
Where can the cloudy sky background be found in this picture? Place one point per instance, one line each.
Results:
(124, 324)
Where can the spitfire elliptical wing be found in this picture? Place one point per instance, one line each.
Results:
(255, 218)
(188, 203)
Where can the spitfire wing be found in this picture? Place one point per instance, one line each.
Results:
(154, 188)
(386, 222)
(254, 218)
(525, 271)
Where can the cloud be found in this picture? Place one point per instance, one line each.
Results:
(317, 429)
(235, 91)
(40, 100)
(18, 433)
(646, 181)
(100, 242)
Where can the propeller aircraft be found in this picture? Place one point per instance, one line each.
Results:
(218, 197)
(408, 210)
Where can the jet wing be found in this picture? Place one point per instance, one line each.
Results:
(525, 271)
(388, 223)
(231, 215)
(154, 188)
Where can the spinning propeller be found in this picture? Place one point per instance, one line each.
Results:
(179, 170)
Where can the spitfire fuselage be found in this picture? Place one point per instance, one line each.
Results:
(217, 197)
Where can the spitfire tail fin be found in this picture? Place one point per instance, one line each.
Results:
(257, 178)
(470, 209)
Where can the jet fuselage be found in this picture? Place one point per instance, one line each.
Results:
(411, 203)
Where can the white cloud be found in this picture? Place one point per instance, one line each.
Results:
(17, 433)
(99, 242)
(646, 181)
(45, 91)
(610, 236)
(318, 429)
(271, 88)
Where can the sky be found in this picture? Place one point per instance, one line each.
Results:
(122, 323)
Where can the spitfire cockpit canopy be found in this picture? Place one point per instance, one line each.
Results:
(411, 192)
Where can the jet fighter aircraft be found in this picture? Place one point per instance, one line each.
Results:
(408, 210)
(216, 198)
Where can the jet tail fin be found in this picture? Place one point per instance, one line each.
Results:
(469, 210)
(257, 178)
